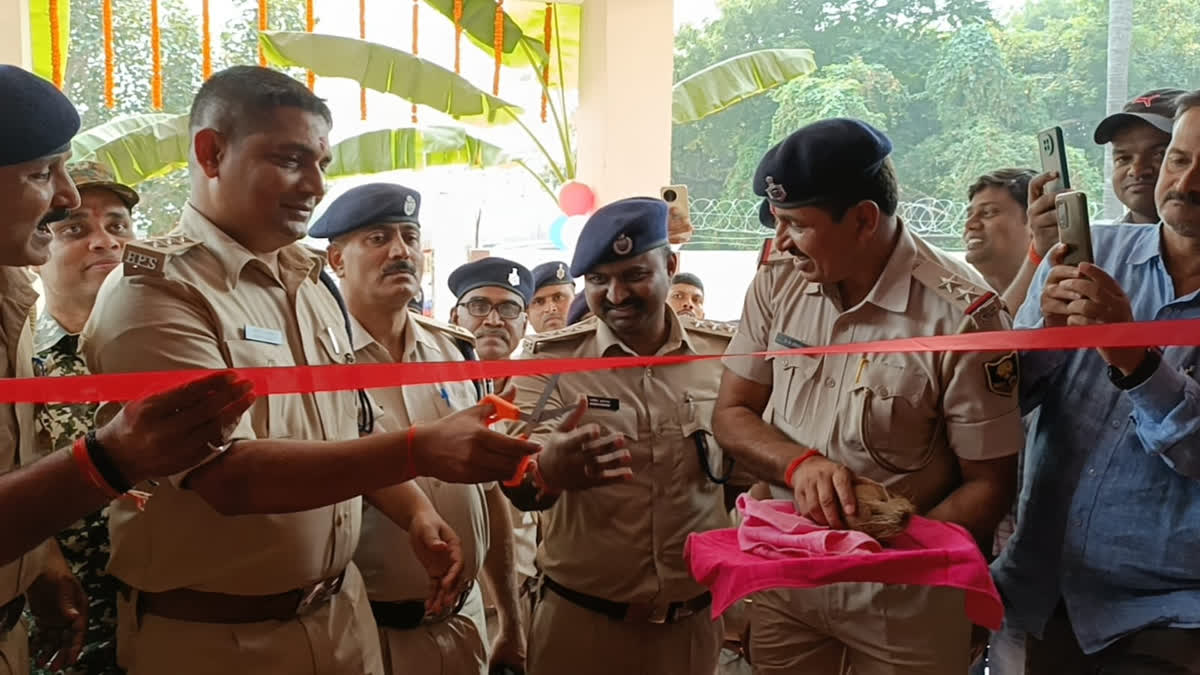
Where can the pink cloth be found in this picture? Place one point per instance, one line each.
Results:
(929, 553)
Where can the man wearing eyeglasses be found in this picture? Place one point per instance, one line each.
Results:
(493, 295)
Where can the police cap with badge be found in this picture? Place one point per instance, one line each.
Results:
(621, 230)
(551, 274)
(497, 272)
(36, 120)
(370, 204)
(817, 163)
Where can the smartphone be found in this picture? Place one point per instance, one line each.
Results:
(1074, 226)
(677, 195)
(1054, 158)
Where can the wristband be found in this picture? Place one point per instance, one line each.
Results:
(90, 472)
(104, 464)
(1034, 256)
(791, 470)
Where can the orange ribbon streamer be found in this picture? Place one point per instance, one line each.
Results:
(106, 18)
(156, 81)
(458, 31)
(547, 41)
(416, 23)
(262, 25)
(206, 41)
(56, 70)
(498, 45)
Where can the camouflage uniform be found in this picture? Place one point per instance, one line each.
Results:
(84, 544)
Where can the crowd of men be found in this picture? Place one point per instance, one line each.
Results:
(204, 529)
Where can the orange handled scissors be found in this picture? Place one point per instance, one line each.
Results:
(507, 411)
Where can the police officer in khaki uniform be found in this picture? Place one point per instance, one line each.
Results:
(617, 596)
(243, 562)
(942, 429)
(375, 250)
(167, 431)
(553, 291)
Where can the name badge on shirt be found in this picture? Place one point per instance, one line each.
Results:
(789, 341)
(602, 403)
(264, 335)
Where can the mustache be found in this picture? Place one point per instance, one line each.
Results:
(55, 216)
(400, 266)
(628, 304)
(494, 333)
(1192, 198)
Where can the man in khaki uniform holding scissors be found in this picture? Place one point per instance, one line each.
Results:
(617, 596)
(375, 249)
(942, 429)
(243, 563)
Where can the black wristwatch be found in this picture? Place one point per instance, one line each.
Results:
(1140, 374)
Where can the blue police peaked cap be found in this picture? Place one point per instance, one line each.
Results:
(36, 120)
(499, 272)
(551, 274)
(368, 204)
(818, 162)
(620, 230)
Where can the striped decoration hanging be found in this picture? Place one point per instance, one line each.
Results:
(56, 66)
(156, 76)
(458, 32)
(106, 19)
(548, 39)
(362, 35)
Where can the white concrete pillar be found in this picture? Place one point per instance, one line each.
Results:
(14, 33)
(625, 78)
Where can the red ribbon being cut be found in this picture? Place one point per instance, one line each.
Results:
(311, 379)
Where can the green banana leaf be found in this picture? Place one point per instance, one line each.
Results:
(389, 70)
(411, 148)
(39, 36)
(568, 26)
(138, 147)
(723, 84)
(479, 26)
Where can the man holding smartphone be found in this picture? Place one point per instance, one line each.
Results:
(1101, 569)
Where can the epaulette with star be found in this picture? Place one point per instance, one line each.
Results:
(981, 306)
(724, 329)
(535, 343)
(148, 257)
(456, 332)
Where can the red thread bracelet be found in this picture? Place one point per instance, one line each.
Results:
(791, 470)
(1034, 256)
(88, 469)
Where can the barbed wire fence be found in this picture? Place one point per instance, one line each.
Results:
(732, 224)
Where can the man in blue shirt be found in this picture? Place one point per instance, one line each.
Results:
(1102, 571)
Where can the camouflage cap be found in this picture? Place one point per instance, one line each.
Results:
(96, 175)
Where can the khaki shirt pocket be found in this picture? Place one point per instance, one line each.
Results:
(269, 415)
(892, 417)
(795, 376)
(339, 410)
(702, 458)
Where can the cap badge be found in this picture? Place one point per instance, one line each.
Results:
(410, 205)
(1147, 100)
(622, 245)
(561, 273)
(775, 191)
(514, 278)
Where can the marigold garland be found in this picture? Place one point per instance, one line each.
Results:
(548, 38)
(458, 31)
(206, 41)
(498, 45)
(110, 100)
(262, 25)
(416, 23)
(56, 74)
(309, 24)
(156, 77)
(362, 35)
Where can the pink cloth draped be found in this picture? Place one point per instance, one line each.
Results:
(776, 548)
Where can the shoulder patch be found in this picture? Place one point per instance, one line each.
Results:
(450, 329)
(573, 332)
(148, 257)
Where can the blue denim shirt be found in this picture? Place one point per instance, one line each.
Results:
(1109, 513)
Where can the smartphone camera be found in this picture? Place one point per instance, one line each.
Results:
(670, 196)
(1047, 145)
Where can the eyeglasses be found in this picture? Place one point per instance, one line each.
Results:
(478, 307)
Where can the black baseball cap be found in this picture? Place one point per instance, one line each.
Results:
(1155, 107)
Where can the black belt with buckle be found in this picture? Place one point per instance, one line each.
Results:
(411, 614)
(10, 614)
(185, 604)
(632, 612)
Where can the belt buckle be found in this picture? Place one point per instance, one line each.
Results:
(647, 613)
(319, 594)
(453, 609)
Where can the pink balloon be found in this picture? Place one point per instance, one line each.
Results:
(576, 199)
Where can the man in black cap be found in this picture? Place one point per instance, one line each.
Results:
(553, 291)
(162, 433)
(940, 429)
(687, 295)
(617, 596)
(375, 250)
(492, 295)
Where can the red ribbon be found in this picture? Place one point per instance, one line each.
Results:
(311, 379)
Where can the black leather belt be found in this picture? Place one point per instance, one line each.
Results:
(10, 614)
(411, 614)
(185, 604)
(632, 612)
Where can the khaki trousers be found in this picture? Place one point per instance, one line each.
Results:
(569, 640)
(876, 629)
(338, 638)
(14, 651)
(456, 646)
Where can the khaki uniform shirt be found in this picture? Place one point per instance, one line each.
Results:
(624, 542)
(900, 419)
(215, 305)
(390, 570)
(17, 436)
